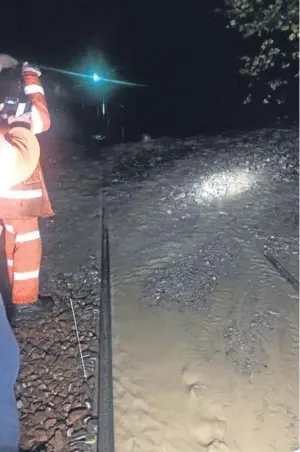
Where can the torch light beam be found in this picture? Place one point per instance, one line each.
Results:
(95, 77)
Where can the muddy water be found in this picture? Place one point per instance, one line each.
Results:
(176, 389)
(220, 379)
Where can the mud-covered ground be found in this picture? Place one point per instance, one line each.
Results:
(190, 220)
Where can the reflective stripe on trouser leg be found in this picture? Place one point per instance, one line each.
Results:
(26, 259)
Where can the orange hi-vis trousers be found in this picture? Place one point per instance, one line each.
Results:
(23, 251)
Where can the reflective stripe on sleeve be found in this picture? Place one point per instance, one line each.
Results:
(33, 89)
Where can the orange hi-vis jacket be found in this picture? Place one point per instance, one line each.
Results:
(23, 192)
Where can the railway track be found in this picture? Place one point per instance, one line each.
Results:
(99, 435)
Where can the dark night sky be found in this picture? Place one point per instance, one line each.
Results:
(153, 41)
(183, 50)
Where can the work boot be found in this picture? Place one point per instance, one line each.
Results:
(43, 305)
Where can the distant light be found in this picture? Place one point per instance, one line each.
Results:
(96, 78)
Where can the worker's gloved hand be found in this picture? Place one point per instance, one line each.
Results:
(28, 69)
(7, 61)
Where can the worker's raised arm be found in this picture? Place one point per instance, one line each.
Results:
(19, 156)
(34, 90)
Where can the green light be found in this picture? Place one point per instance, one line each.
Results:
(96, 78)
